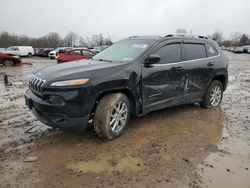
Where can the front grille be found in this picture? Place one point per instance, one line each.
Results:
(36, 84)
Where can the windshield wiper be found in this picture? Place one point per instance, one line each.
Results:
(104, 60)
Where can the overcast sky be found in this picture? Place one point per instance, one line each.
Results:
(123, 18)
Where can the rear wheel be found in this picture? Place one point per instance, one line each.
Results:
(29, 55)
(8, 63)
(214, 95)
(112, 115)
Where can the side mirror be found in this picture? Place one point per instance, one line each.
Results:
(152, 59)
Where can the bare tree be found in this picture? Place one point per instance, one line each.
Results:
(235, 37)
(108, 41)
(53, 40)
(101, 39)
(227, 43)
(244, 40)
(82, 42)
(5, 39)
(70, 39)
(218, 36)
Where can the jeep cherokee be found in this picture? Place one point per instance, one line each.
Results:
(134, 76)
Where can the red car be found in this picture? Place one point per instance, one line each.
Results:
(9, 59)
(75, 54)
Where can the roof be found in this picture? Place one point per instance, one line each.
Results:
(172, 36)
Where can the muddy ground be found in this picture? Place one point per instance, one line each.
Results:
(185, 146)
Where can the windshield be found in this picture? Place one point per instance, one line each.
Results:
(124, 51)
(57, 49)
(10, 48)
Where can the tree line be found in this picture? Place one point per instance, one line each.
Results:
(53, 40)
(235, 38)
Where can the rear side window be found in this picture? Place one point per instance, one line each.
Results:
(87, 53)
(211, 50)
(170, 53)
(75, 52)
(194, 51)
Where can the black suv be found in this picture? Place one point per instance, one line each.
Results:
(134, 76)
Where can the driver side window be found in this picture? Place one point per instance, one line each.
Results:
(75, 52)
(170, 53)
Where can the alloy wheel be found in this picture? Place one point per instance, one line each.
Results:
(215, 96)
(8, 63)
(118, 117)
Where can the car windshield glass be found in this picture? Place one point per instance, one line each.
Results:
(57, 49)
(124, 51)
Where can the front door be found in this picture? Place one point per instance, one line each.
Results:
(163, 83)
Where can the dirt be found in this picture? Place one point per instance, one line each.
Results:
(184, 146)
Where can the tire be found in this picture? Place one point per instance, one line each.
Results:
(213, 95)
(110, 123)
(29, 55)
(8, 63)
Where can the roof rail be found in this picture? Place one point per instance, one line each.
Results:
(185, 35)
(133, 36)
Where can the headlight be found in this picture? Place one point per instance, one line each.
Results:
(76, 82)
(16, 56)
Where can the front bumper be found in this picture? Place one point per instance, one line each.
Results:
(52, 56)
(54, 115)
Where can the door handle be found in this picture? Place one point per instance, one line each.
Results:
(177, 68)
(210, 64)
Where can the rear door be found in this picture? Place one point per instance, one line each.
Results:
(162, 83)
(87, 54)
(198, 69)
(73, 55)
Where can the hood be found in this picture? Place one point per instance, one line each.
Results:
(78, 69)
(52, 52)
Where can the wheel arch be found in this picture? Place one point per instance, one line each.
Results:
(7, 58)
(222, 79)
(129, 94)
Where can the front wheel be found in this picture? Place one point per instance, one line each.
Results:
(112, 116)
(214, 95)
(8, 63)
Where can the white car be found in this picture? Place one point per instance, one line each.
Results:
(20, 50)
(238, 50)
(53, 54)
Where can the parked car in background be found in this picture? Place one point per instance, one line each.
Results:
(246, 49)
(223, 48)
(44, 52)
(75, 54)
(55, 52)
(231, 49)
(9, 59)
(36, 50)
(20, 50)
(98, 49)
(238, 50)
